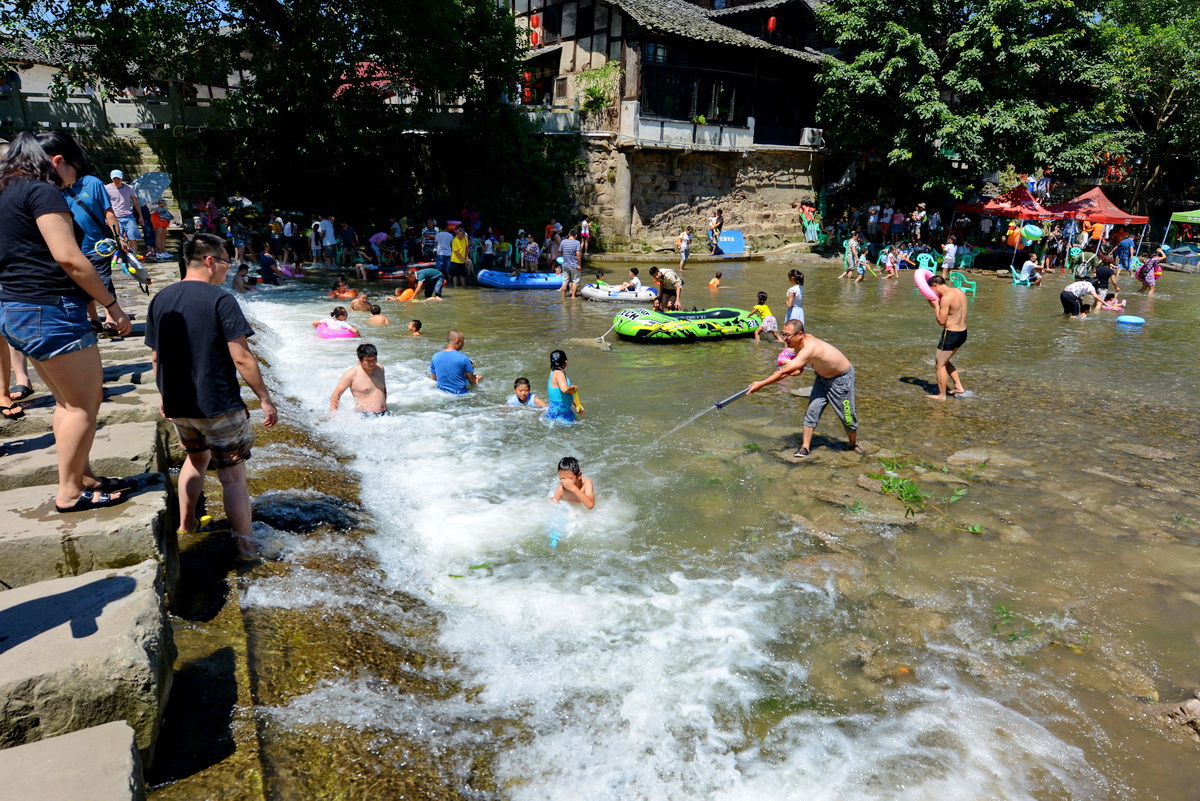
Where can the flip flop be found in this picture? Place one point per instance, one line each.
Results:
(91, 499)
(108, 484)
(12, 412)
(21, 391)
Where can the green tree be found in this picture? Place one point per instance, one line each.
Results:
(309, 124)
(983, 83)
(1152, 82)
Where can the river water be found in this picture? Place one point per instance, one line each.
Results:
(726, 623)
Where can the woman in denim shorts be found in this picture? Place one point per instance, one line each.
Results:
(45, 285)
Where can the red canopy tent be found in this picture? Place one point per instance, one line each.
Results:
(1094, 206)
(367, 74)
(1013, 203)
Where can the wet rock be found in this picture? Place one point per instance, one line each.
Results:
(301, 512)
(1128, 482)
(888, 669)
(1156, 536)
(1146, 452)
(1183, 716)
(849, 575)
(875, 508)
(1129, 678)
(825, 538)
(1015, 535)
(969, 456)
(870, 484)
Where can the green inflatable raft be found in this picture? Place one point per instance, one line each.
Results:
(644, 325)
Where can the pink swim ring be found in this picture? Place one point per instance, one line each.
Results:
(921, 279)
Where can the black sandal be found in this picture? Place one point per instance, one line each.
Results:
(111, 484)
(12, 412)
(89, 500)
(22, 391)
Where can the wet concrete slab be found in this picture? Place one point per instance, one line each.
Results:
(121, 449)
(85, 650)
(38, 543)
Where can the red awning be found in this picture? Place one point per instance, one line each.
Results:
(1094, 206)
(367, 74)
(1013, 203)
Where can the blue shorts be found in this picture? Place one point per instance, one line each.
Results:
(443, 264)
(129, 228)
(43, 331)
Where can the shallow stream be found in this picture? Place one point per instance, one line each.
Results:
(727, 623)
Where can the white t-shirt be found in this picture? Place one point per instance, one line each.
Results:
(950, 250)
(872, 215)
(337, 325)
(685, 242)
(1080, 288)
(1027, 269)
(289, 229)
(796, 293)
(985, 225)
(886, 216)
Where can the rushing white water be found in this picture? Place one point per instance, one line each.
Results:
(639, 665)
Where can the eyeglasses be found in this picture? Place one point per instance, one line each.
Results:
(788, 336)
(221, 261)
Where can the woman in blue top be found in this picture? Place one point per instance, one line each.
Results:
(559, 390)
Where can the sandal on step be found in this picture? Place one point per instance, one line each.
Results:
(107, 484)
(19, 392)
(91, 499)
(12, 412)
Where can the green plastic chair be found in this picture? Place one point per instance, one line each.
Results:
(1016, 276)
(966, 261)
(960, 281)
(926, 261)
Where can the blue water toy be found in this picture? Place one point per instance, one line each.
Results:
(1131, 319)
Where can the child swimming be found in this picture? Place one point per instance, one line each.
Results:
(523, 395)
(560, 391)
(573, 487)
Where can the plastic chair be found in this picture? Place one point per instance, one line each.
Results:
(966, 260)
(1016, 276)
(926, 261)
(960, 281)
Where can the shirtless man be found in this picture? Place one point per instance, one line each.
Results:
(362, 303)
(572, 486)
(834, 383)
(241, 283)
(950, 309)
(366, 383)
(377, 317)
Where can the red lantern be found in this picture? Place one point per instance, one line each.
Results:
(533, 38)
(533, 21)
(771, 24)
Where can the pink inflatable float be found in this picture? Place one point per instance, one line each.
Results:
(325, 332)
(785, 356)
(921, 279)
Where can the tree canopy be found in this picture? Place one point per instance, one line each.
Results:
(980, 83)
(307, 123)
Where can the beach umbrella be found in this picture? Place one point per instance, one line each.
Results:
(150, 187)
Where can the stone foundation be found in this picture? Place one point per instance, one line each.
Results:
(759, 192)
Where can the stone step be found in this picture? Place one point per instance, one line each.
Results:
(121, 449)
(97, 764)
(39, 544)
(84, 650)
(125, 402)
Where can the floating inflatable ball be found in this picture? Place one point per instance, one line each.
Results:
(1032, 232)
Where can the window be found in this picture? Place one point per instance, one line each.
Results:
(560, 88)
(653, 53)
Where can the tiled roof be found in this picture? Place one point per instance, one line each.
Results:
(20, 49)
(681, 18)
(761, 5)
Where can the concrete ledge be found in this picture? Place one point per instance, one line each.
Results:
(81, 651)
(38, 544)
(125, 403)
(665, 258)
(96, 764)
(123, 449)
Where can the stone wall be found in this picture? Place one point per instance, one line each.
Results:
(758, 191)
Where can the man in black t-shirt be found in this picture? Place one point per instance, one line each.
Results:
(198, 334)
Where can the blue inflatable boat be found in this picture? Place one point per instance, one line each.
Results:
(500, 280)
